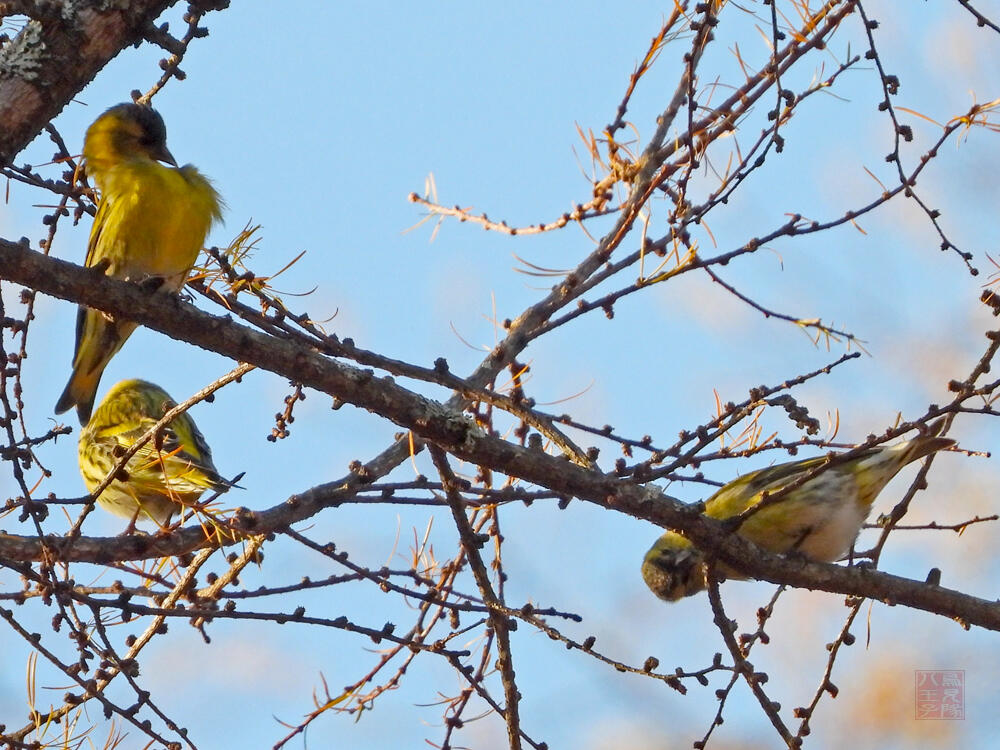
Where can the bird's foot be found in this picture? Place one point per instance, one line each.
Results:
(151, 284)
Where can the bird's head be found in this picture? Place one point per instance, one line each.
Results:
(126, 131)
(673, 568)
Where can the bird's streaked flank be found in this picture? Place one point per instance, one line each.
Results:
(167, 474)
(820, 519)
(151, 224)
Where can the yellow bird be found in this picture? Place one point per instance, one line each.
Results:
(151, 224)
(819, 519)
(168, 473)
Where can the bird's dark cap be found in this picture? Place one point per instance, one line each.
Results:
(154, 131)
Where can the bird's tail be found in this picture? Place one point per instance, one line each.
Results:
(80, 392)
(97, 341)
(928, 443)
(877, 469)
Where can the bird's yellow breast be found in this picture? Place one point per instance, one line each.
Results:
(154, 216)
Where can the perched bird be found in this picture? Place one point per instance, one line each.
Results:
(819, 519)
(168, 473)
(150, 226)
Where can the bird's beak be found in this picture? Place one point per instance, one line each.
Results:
(162, 154)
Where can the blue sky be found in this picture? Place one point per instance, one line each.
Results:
(317, 121)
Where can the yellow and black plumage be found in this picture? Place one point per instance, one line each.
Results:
(151, 224)
(819, 519)
(167, 474)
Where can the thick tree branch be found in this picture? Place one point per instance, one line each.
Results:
(56, 54)
(431, 421)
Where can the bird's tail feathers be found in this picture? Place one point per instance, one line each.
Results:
(925, 445)
(98, 340)
(929, 442)
(80, 391)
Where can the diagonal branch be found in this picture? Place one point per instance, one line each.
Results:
(433, 422)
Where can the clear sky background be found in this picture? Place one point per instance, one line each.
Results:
(317, 119)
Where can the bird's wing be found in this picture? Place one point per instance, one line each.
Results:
(741, 493)
(774, 477)
(184, 454)
(97, 231)
(157, 457)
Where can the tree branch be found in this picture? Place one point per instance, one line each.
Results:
(35, 80)
(431, 421)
